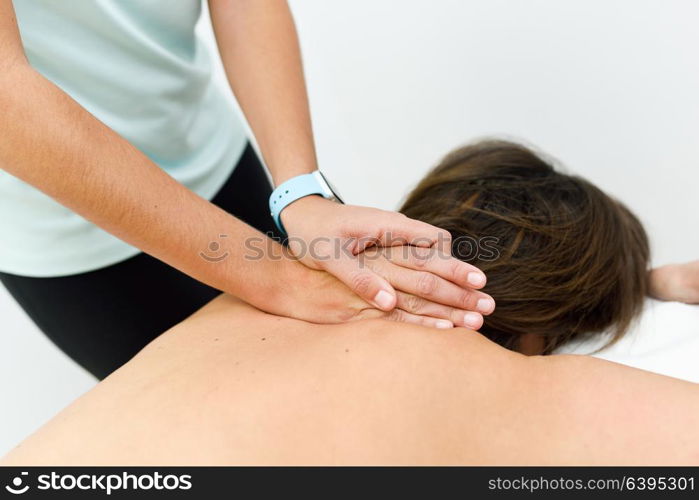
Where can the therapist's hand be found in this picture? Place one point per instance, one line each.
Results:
(319, 297)
(365, 249)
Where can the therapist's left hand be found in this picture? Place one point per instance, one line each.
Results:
(338, 239)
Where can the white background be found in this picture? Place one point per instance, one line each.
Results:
(610, 88)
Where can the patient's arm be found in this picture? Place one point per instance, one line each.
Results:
(676, 282)
(232, 385)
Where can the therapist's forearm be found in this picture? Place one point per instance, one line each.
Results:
(260, 52)
(52, 143)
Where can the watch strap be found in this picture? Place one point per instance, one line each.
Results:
(291, 190)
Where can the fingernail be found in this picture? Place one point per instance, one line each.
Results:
(444, 324)
(475, 279)
(485, 305)
(472, 320)
(384, 300)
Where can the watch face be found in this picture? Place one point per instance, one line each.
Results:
(332, 192)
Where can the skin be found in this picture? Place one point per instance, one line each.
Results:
(676, 282)
(52, 143)
(212, 391)
(233, 385)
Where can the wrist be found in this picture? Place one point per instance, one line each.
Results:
(283, 169)
(295, 210)
(294, 190)
(274, 289)
(279, 178)
(291, 289)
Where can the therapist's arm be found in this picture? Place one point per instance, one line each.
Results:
(260, 52)
(52, 143)
(49, 141)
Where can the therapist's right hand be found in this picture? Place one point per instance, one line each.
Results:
(365, 248)
(425, 296)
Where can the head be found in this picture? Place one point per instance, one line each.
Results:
(563, 259)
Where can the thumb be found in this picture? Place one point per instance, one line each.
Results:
(363, 281)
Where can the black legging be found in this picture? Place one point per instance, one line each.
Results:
(103, 318)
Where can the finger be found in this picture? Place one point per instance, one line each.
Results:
(402, 230)
(415, 319)
(422, 307)
(436, 289)
(434, 261)
(368, 285)
(432, 287)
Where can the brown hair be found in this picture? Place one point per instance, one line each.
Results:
(568, 259)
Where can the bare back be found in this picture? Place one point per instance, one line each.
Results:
(233, 385)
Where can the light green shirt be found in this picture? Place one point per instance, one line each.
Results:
(138, 66)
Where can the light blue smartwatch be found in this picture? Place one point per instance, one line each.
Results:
(298, 187)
